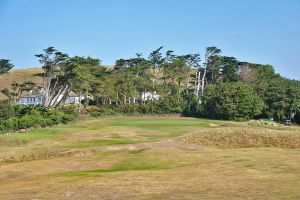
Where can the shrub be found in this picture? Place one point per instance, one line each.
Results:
(102, 112)
(34, 116)
(11, 124)
(91, 109)
(44, 122)
(55, 116)
(2, 127)
(96, 114)
(69, 109)
(109, 112)
(6, 110)
(67, 118)
(27, 121)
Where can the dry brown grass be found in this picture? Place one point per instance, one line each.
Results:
(244, 137)
(19, 76)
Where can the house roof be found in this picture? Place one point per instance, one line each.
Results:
(73, 94)
(32, 95)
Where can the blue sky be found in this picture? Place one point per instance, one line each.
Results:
(260, 31)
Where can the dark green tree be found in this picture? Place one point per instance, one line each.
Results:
(231, 101)
(56, 76)
(5, 66)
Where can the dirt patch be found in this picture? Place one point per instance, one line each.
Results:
(155, 146)
(233, 137)
(213, 125)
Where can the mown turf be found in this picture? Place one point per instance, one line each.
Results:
(171, 127)
(133, 162)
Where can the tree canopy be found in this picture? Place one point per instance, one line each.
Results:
(215, 85)
(5, 66)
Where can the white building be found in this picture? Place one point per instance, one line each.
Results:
(149, 96)
(33, 99)
(73, 98)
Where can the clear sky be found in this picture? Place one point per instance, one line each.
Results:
(260, 31)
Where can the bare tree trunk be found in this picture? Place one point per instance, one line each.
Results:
(198, 84)
(187, 83)
(203, 82)
(124, 100)
(86, 99)
(117, 100)
(79, 103)
(60, 96)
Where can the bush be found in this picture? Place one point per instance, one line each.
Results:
(55, 116)
(96, 114)
(102, 111)
(67, 118)
(28, 121)
(44, 122)
(11, 124)
(2, 127)
(6, 110)
(31, 116)
(69, 109)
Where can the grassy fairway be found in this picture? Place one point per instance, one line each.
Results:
(141, 158)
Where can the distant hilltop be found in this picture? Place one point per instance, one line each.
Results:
(20, 75)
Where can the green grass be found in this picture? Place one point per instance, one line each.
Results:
(169, 127)
(122, 167)
(99, 143)
(130, 161)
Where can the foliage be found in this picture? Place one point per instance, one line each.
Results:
(103, 112)
(30, 116)
(220, 87)
(6, 110)
(57, 72)
(282, 98)
(231, 101)
(5, 66)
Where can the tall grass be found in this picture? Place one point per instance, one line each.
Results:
(242, 137)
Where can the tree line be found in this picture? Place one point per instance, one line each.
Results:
(214, 86)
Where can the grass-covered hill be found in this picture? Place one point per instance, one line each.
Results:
(20, 75)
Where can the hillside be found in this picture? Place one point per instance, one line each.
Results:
(19, 76)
